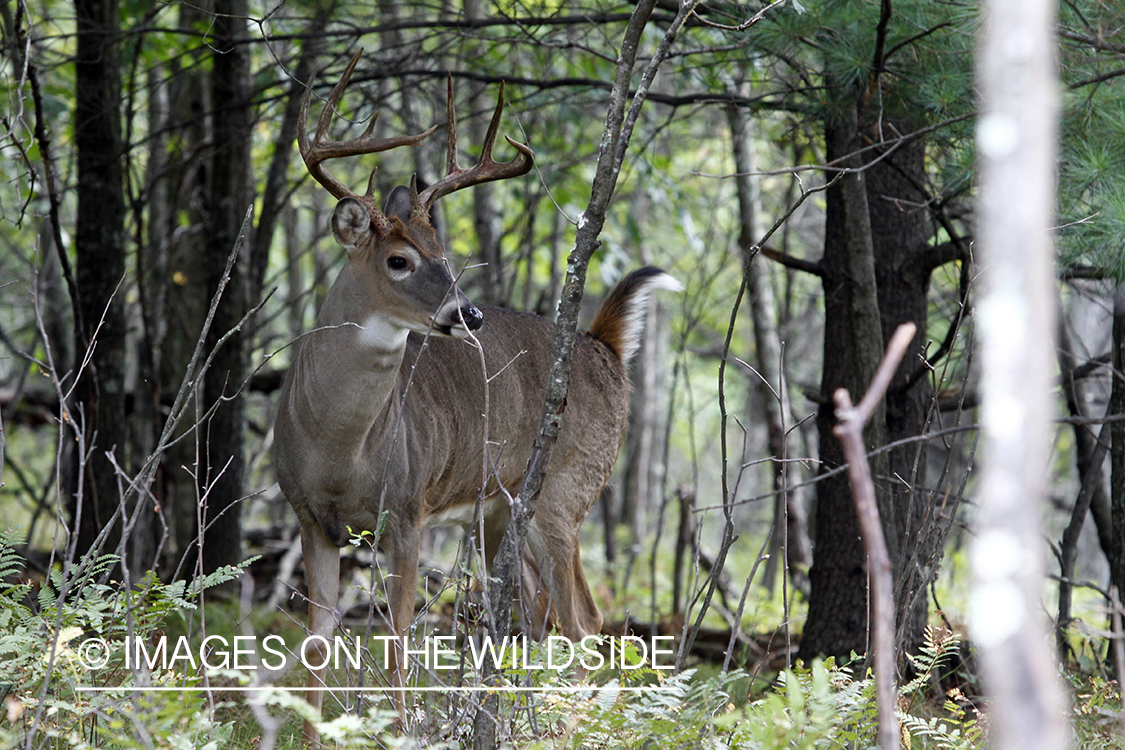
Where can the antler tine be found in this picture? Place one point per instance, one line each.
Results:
(493, 127)
(334, 99)
(486, 170)
(322, 149)
(451, 165)
(308, 154)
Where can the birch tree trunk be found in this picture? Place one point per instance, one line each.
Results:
(790, 541)
(1016, 137)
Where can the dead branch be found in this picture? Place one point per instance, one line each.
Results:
(850, 433)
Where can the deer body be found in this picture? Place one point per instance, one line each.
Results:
(387, 409)
(421, 457)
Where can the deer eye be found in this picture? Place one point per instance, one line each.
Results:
(397, 263)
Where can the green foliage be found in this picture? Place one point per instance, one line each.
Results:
(825, 706)
(938, 647)
(1091, 195)
(677, 714)
(956, 727)
(48, 686)
(821, 706)
(50, 639)
(829, 53)
(1097, 712)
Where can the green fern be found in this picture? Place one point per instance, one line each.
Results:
(11, 564)
(41, 662)
(956, 731)
(938, 646)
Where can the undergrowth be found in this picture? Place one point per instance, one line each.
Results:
(53, 699)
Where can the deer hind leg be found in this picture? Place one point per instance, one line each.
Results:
(322, 576)
(532, 599)
(553, 539)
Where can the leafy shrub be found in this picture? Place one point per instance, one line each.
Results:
(50, 692)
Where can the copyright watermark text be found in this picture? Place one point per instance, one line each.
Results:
(435, 652)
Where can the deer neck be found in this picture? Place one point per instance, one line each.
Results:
(346, 373)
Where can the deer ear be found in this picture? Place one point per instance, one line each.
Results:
(351, 223)
(398, 203)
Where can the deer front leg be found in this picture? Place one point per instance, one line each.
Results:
(400, 596)
(322, 575)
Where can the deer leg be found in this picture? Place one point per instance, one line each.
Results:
(404, 577)
(553, 539)
(530, 596)
(322, 575)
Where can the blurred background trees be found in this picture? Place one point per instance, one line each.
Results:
(138, 135)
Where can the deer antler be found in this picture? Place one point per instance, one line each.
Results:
(322, 149)
(486, 169)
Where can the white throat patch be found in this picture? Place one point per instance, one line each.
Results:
(377, 332)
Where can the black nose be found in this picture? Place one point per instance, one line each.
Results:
(473, 317)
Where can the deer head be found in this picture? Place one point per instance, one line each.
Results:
(395, 250)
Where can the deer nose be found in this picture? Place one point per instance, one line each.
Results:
(472, 316)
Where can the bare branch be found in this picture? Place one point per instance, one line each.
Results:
(850, 432)
(790, 261)
(742, 26)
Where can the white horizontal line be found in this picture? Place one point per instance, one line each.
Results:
(478, 689)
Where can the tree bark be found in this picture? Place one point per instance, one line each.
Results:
(229, 194)
(1090, 449)
(853, 347)
(147, 420)
(899, 254)
(1117, 444)
(900, 240)
(176, 293)
(100, 266)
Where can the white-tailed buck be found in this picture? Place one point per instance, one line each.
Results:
(384, 409)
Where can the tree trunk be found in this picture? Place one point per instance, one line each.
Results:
(789, 542)
(487, 219)
(643, 468)
(897, 221)
(175, 278)
(229, 195)
(1016, 143)
(100, 245)
(642, 472)
(902, 271)
(152, 257)
(1090, 444)
(1117, 449)
(853, 347)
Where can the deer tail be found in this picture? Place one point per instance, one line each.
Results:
(620, 319)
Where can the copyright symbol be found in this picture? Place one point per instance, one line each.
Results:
(93, 653)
